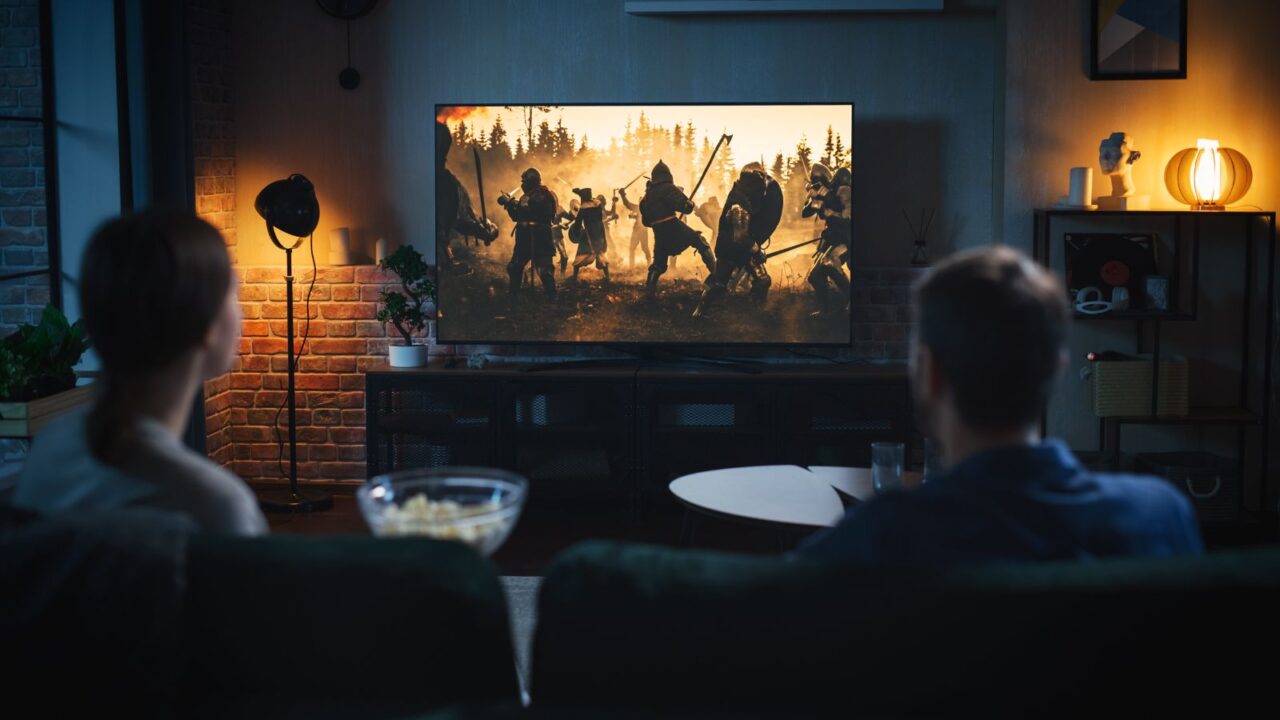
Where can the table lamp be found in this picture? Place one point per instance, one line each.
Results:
(290, 206)
(1208, 177)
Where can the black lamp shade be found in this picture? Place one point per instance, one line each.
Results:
(289, 205)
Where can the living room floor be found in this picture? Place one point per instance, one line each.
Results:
(549, 526)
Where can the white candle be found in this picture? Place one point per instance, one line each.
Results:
(1080, 193)
(340, 246)
(380, 249)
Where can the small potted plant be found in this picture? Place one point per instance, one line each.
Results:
(37, 373)
(407, 308)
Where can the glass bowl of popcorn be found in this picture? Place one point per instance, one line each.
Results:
(476, 506)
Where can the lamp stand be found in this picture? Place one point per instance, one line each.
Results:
(293, 500)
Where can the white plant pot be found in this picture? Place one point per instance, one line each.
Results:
(408, 355)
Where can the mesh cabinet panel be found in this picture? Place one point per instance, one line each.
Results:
(572, 439)
(836, 424)
(697, 426)
(414, 423)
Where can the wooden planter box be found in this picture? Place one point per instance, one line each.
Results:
(24, 419)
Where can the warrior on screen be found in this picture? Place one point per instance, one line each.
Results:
(831, 199)
(661, 208)
(533, 212)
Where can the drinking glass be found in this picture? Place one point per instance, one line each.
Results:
(886, 466)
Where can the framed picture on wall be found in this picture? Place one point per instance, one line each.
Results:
(1137, 39)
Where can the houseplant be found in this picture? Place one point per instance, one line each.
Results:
(37, 373)
(409, 307)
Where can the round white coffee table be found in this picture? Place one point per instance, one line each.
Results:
(778, 494)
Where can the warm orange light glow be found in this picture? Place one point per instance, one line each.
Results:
(1207, 176)
(1206, 173)
(451, 113)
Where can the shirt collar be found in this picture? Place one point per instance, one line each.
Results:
(1048, 460)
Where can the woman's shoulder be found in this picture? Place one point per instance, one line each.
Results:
(61, 473)
(216, 497)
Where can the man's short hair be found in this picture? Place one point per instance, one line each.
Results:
(996, 324)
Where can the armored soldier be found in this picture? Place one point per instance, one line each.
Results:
(588, 230)
(709, 213)
(454, 213)
(639, 233)
(533, 213)
(831, 199)
(558, 229)
(660, 208)
(752, 212)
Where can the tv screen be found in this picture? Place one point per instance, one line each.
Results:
(725, 224)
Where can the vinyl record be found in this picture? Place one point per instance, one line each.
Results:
(1107, 261)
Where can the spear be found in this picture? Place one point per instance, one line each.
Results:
(724, 138)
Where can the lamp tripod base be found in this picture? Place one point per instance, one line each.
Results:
(287, 501)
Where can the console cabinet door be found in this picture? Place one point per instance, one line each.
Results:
(416, 422)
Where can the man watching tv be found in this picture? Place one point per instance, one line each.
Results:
(989, 342)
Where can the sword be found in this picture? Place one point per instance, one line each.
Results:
(792, 247)
(633, 181)
(480, 184)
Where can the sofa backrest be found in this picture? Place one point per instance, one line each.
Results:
(343, 627)
(680, 630)
(91, 608)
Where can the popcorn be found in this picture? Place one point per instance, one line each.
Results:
(443, 520)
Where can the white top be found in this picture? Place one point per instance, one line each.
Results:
(62, 475)
(788, 494)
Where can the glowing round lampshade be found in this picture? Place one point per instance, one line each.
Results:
(1208, 177)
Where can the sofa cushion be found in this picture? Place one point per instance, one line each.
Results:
(346, 626)
(91, 609)
(659, 628)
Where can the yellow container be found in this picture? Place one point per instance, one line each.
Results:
(1123, 387)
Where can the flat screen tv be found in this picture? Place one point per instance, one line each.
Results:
(703, 224)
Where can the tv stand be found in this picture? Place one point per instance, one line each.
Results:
(620, 430)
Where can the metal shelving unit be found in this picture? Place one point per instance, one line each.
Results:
(1244, 414)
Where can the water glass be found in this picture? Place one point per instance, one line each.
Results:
(886, 466)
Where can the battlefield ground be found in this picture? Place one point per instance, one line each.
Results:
(474, 304)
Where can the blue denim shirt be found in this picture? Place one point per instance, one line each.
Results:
(1020, 503)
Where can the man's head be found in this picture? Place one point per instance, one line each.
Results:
(989, 340)
(819, 176)
(660, 173)
(753, 180)
(530, 180)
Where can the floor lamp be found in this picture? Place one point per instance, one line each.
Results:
(291, 206)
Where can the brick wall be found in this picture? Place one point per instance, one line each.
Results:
(343, 342)
(882, 312)
(213, 150)
(23, 242)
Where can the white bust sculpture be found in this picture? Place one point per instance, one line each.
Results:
(1117, 156)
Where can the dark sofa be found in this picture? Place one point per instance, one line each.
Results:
(666, 631)
(130, 612)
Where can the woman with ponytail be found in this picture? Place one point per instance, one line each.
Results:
(160, 302)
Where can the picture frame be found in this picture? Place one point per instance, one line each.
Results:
(1137, 39)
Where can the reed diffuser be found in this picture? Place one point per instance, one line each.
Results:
(920, 234)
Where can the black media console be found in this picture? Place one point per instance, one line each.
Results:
(624, 432)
